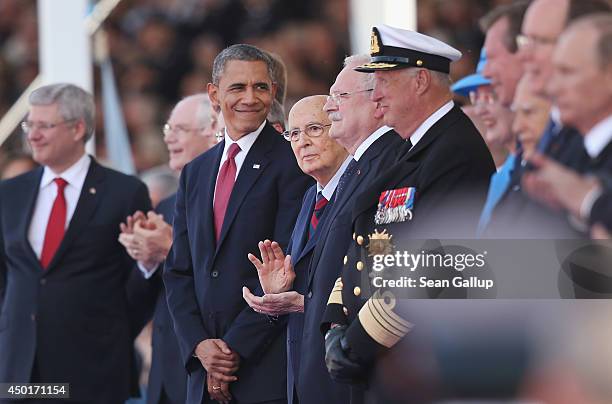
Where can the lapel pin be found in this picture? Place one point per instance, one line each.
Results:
(256, 166)
(92, 190)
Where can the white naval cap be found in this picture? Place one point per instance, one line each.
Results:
(395, 48)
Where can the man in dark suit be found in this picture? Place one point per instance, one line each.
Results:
(245, 189)
(63, 304)
(322, 158)
(435, 190)
(189, 132)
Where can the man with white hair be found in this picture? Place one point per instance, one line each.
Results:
(435, 190)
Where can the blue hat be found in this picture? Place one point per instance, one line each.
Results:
(473, 81)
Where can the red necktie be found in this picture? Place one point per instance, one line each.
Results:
(55, 226)
(225, 184)
(321, 203)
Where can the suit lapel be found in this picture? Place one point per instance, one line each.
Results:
(300, 233)
(32, 186)
(257, 157)
(92, 191)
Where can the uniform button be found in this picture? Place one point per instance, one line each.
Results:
(310, 294)
(359, 265)
(345, 310)
(354, 235)
(357, 291)
(360, 240)
(214, 273)
(43, 281)
(345, 259)
(33, 317)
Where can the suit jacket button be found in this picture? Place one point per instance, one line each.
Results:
(345, 310)
(354, 236)
(214, 273)
(345, 259)
(33, 317)
(310, 294)
(359, 265)
(357, 291)
(360, 240)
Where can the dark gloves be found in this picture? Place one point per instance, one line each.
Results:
(343, 367)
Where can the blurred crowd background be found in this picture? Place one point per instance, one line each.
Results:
(162, 51)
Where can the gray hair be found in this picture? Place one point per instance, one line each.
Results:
(360, 59)
(73, 103)
(277, 114)
(244, 52)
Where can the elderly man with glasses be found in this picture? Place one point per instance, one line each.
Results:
(356, 124)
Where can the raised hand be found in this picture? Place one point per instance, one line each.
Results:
(275, 270)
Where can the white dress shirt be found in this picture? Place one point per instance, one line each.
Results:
(598, 137)
(328, 190)
(429, 122)
(368, 142)
(75, 177)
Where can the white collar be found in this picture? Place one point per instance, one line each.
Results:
(363, 147)
(329, 189)
(598, 137)
(74, 175)
(429, 122)
(245, 142)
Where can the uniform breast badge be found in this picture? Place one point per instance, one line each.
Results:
(395, 206)
(380, 243)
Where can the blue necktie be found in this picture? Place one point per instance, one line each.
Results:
(346, 176)
(500, 182)
(551, 131)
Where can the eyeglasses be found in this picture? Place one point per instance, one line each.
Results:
(28, 126)
(482, 97)
(336, 98)
(312, 130)
(525, 41)
(180, 129)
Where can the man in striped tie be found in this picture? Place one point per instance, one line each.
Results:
(322, 158)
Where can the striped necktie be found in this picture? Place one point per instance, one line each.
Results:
(319, 207)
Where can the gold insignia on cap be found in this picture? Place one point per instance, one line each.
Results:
(374, 45)
(377, 65)
(380, 243)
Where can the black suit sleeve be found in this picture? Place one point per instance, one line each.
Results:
(141, 292)
(251, 332)
(179, 282)
(601, 212)
(2, 257)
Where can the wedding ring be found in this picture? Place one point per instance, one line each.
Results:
(216, 387)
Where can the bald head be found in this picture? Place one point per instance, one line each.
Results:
(317, 154)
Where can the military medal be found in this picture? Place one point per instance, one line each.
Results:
(395, 206)
(380, 243)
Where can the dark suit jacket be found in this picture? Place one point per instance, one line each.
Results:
(148, 297)
(450, 168)
(72, 318)
(204, 279)
(300, 248)
(335, 234)
(519, 216)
